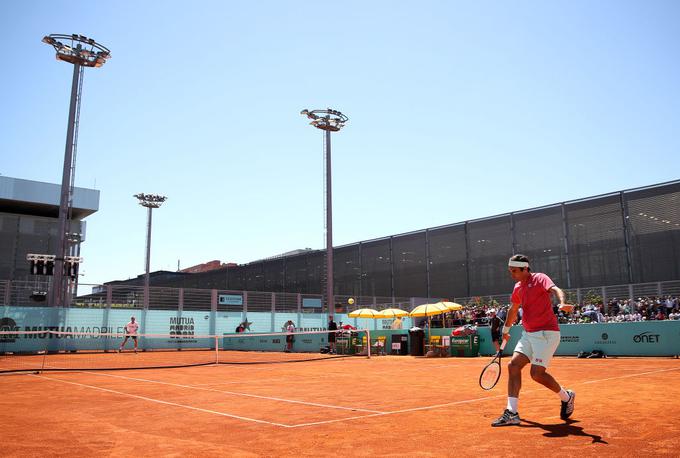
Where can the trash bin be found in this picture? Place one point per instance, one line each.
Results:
(416, 339)
(399, 344)
(465, 346)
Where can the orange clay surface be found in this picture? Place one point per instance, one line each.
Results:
(383, 406)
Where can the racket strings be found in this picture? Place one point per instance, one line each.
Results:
(490, 376)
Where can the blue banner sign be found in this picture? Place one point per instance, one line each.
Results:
(311, 302)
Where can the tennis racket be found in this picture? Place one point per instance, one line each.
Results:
(492, 372)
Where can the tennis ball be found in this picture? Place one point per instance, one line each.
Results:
(350, 301)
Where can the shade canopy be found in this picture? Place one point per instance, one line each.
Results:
(364, 313)
(453, 306)
(393, 313)
(429, 310)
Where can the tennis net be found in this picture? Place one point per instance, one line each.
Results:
(37, 351)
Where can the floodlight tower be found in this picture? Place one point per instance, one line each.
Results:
(81, 52)
(149, 201)
(329, 121)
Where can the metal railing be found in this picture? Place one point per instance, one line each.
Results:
(33, 294)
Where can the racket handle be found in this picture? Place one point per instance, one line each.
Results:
(503, 345)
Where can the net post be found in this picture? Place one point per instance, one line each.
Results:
(217, 349)
(45, 349)
(368, 344)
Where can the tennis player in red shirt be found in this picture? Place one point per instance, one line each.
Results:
(539, 340)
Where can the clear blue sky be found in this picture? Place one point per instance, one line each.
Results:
(458, 110)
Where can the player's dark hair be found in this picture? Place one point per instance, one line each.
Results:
(521, 258)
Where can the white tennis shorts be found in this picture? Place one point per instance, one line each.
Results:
(539, 346)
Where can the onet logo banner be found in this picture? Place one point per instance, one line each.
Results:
(647, 337)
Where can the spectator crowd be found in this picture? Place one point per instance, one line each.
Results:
(651, 308)
(621, 310)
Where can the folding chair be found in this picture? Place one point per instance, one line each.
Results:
(434, 345)
(378, 346)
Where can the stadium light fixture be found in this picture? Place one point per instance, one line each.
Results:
(149, 201)
(328, 120)
(81, 52)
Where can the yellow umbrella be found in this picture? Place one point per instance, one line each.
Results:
(429, 310)
(453, 306)
(364, 313)
(393, 313)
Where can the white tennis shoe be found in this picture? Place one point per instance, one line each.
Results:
(567, 407)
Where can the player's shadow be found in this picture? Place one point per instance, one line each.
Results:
(562, 430)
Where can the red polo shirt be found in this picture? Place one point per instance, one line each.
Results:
(534, 297)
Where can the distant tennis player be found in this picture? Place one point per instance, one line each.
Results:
(539, 340)
(130, 331)
(290, 338)
(332, 326)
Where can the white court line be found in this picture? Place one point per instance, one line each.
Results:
(249, 382)
(444, 365)
(270, 398)
(378, 414)
(398, 411)
(214, 412)
(448, 404)
(631, 375)
(278, 379)
(293, 378)
(222, 383)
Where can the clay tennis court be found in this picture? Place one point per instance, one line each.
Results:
(383, 406)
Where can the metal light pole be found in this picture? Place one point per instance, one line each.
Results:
(329, 121)
(81, 52)
(149, 201)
